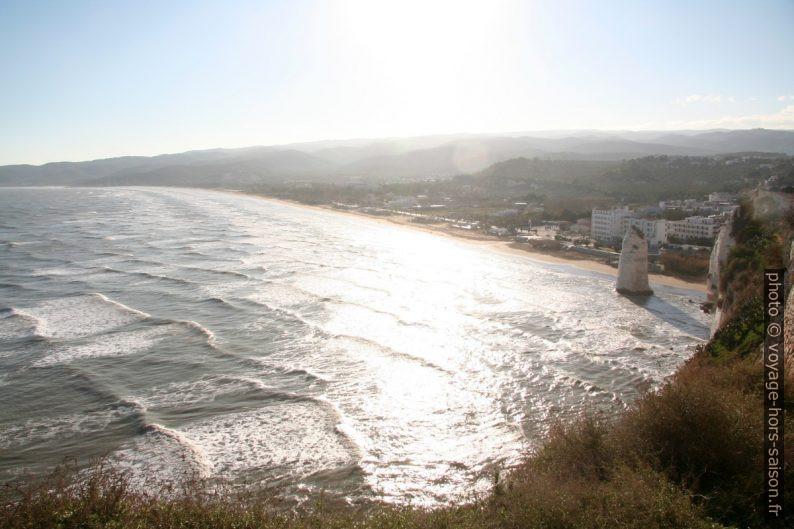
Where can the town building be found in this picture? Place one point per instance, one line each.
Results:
(654, 230)
(607, 225)
(610, 225)
(695, 227)
(722, 196)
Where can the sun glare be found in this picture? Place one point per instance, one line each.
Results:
(418, 33)
(430, 60)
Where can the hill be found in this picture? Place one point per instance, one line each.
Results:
(388, 159)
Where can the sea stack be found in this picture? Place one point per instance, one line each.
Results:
(633, 265)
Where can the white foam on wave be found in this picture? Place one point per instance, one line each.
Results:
(57, 272)
(196, 326)
(192, 452)
(63, 426)
(288, 438)
(422, 432)
(162, 455)
(78, 316)
(111, 345)
(282, 439)
(280, 295)
(205, 389)
(18, 325)
(436, 347)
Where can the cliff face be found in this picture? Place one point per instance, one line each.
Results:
(633, 265)
(788, 318)
(757, 236)
(719, 255)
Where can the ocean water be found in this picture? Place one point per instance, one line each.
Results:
(188, 332)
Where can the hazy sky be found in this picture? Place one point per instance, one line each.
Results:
(83, 79)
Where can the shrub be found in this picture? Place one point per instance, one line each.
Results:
(630, 498)
(743, 334)
(704, 435)
(579, 450)
(694, 266)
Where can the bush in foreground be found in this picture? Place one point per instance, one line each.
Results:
(636, 498)
(706, 435)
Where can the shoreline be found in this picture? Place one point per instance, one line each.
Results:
(481, 240)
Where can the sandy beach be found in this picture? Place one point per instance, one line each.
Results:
(486, 241)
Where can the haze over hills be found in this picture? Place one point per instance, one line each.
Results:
(389, 159)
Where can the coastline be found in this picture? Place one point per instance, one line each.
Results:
(479, 239)
(634, 486)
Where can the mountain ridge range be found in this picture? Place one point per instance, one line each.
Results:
(390, 159)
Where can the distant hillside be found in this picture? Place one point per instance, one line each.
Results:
(641, 180)
(457, 157)
(240, 170)
(388, 159)
(217, 167)
(624, 149)
(729, 141)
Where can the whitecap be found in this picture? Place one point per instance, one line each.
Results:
(110, 345)
(283, 439)
(43, 429)
(79, 316)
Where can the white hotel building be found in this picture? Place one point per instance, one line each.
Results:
(607, 225)
(695, 227)
(610, 225)
(654, 230)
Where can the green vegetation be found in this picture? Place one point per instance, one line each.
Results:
(689, 266)
(759, 244)
(561, 189)
(689, 455)
(742, 334)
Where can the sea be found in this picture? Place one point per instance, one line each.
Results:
(183, 333)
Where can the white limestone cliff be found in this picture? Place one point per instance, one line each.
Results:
(719, 254)
(633, 265)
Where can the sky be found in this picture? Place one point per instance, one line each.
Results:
(85, 79)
